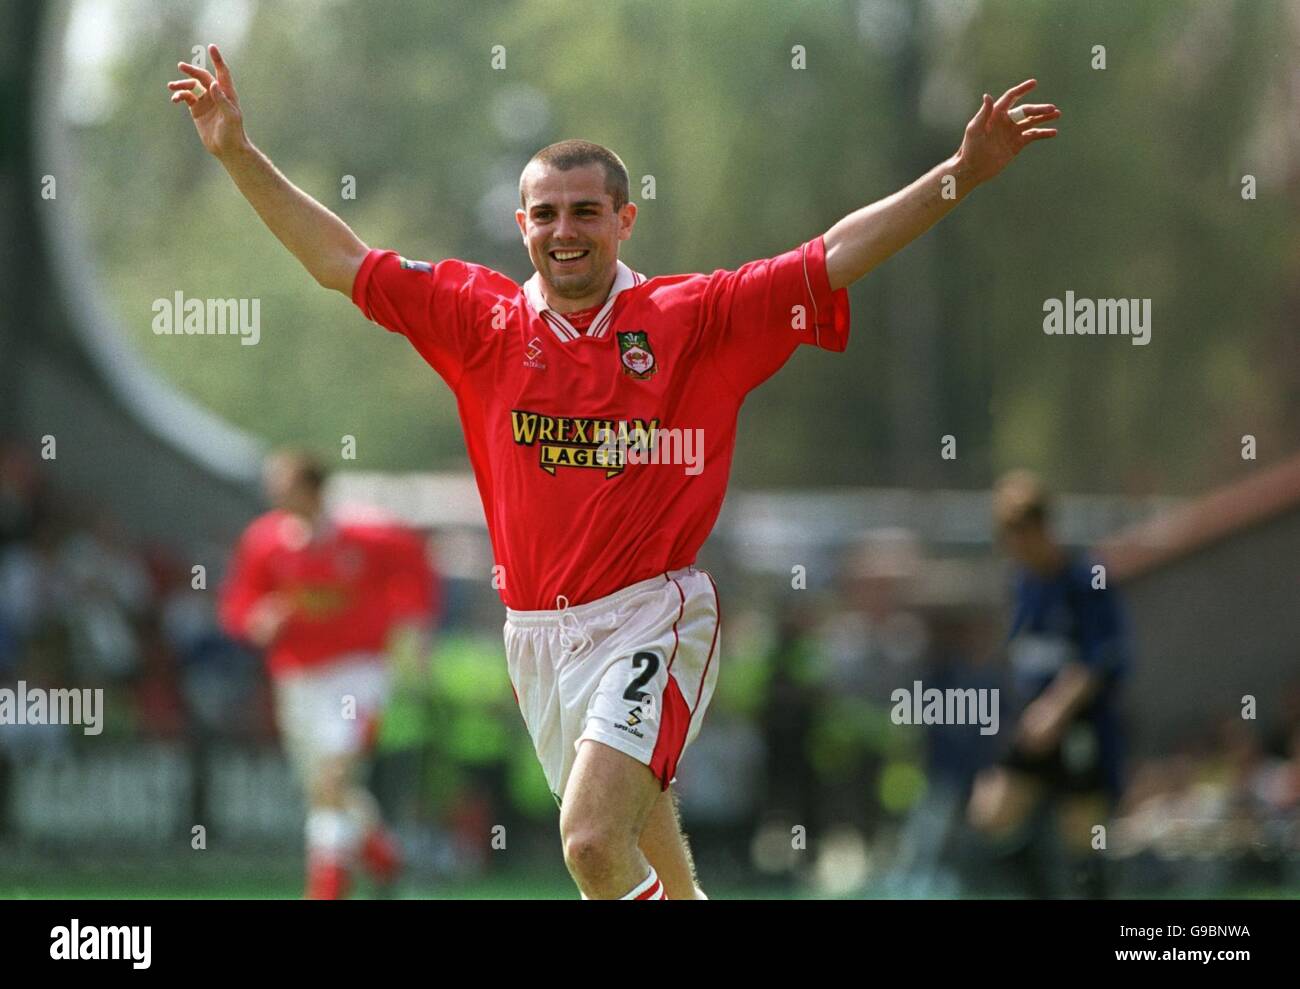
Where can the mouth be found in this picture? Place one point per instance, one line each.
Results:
(567, 258)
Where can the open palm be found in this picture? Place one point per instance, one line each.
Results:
(994, 136)
(213, 104)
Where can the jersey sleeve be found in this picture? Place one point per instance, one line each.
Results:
(247, 581)
(1100, 628)
(434, 305)
(755, 317)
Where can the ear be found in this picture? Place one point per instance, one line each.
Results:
(521, 218)
(626, 220)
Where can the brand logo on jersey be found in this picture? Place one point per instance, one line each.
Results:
(635, 353)
(533, 354)
(319, 602)
(634, 716)
(415, 265)
(601, 444)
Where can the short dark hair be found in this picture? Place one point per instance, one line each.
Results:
(302, 465)
(1020, 498)
(564, 155)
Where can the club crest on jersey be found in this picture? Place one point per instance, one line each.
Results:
(415, 265)
(635, 353)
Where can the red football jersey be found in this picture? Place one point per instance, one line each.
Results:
(349, 586)
(552, 416)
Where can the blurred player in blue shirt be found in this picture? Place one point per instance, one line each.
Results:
(1068, 651)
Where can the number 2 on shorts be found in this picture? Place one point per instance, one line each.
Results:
(650, 661)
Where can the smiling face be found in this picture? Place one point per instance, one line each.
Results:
(572, 232)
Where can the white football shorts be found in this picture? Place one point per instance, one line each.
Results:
(331, 710)
(635, 670)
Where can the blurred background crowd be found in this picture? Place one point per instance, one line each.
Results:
(800, 784)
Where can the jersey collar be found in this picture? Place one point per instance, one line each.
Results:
(624, 278)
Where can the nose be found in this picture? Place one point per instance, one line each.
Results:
(564, 228)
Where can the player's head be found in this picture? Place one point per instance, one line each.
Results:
(294, 481)
(573, 196)
(1021, 511)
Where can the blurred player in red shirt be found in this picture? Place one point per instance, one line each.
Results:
(599, 409)
(324, 598)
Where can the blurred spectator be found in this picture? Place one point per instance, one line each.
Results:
(110, 593)
(21, 493)
(1068, 651)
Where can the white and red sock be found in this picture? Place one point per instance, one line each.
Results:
(649, 888)
(331, 846)
(326, 879)
(380, 855)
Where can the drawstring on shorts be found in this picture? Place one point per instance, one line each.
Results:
(573, 634)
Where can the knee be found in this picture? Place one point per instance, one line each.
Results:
(329, 784)
(592, 853)
(996, 807)
(1081, 825)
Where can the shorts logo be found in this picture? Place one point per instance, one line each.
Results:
(415, 265)
(633, 719)
(635, 353)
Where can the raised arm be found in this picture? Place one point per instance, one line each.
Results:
(325, 245)
(865, 238)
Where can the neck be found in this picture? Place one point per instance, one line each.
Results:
(562, 304)
(312, 518)
(1051, 560)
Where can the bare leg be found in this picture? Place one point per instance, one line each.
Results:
(1001, 800)
(1075, 818)
(607, 803)
(664, 844)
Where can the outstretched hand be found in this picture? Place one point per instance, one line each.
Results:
(213, 104)
(993, 137)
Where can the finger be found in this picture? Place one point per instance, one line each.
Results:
(188, 84)
(1036, 109)
(202, 75)
(186, 97)
(1014, 93)
(1038, 133)
(223, 70)
(1028, 122)
(980, 121)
